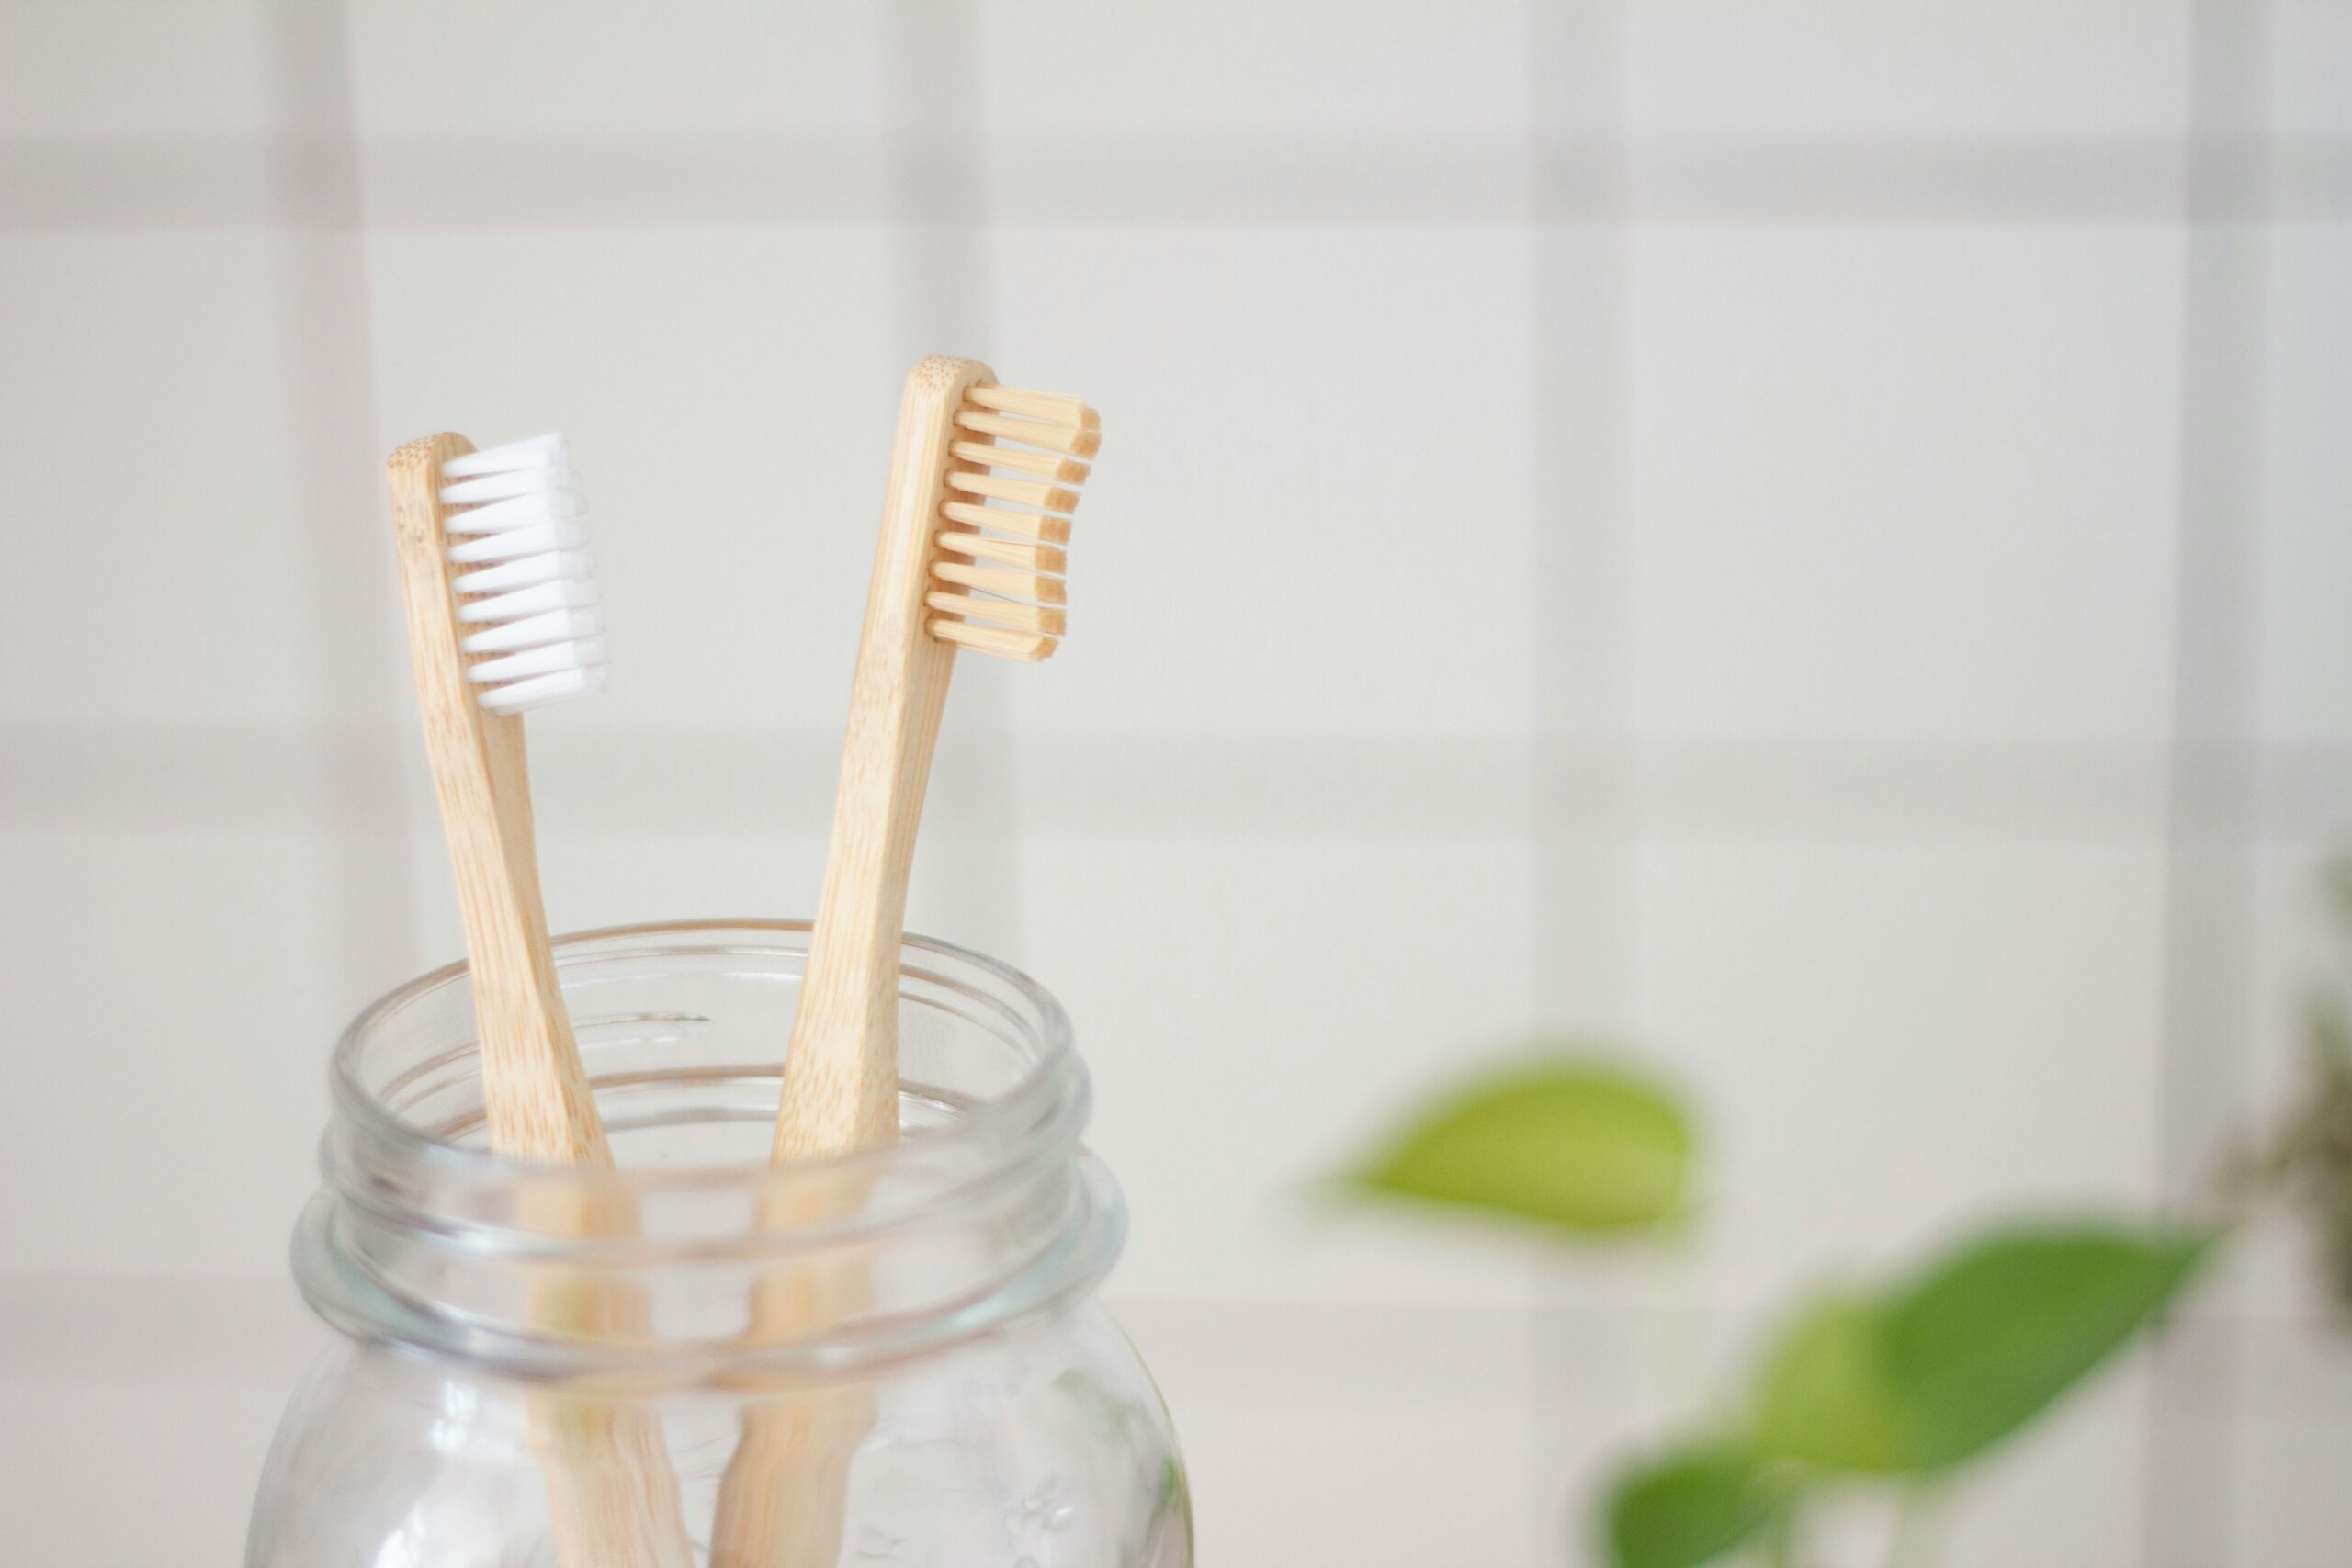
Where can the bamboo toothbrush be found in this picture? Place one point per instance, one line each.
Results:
(983, 479)
(952, 571)
(504, 617)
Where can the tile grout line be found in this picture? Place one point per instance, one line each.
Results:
(1534, 1420)
(2190, 1444)
(1581, 974)
(519, 184)
(939, 193)
(135, 777)
(353, 637)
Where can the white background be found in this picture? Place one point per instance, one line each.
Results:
(1808, 541)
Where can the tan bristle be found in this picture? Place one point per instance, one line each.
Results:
(1024, 492)
(999, 612)
(1045, 466)
(1030, 646)
(1042, 526)
(996, 579)
(1004, 552)
(1054, 407)
(1053, 432)
(1053, 438)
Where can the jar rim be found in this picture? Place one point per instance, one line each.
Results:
(1044, 1084)
(996, 1210)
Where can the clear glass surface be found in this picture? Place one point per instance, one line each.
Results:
(995, 1416)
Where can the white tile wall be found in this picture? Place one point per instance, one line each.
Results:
(705, 378)
(157, 572)
(442, 70)
(2310, 48)
(2306, 549)
(1359, 1401)
(1892, 1039)
(2069, 1494)
(1651, 521)
(1904, 483)
(1830, 68)
(2295, 1387)
(1288, 994)
(166, 1001)
(1230, 68)
(153, 71)
(70, 1444)
(1327, 540)
(2291, 1510)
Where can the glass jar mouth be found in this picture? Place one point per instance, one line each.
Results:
(987, 1209)
(1052, 1067)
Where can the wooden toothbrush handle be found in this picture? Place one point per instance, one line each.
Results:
(784, 1499)
(534, 1092)
(840, 1075)
(612, 1497)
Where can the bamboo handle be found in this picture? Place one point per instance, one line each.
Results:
(784, 1498)
(782, 1502)
(534, 1092)
(841, 1076)
(613, 1501)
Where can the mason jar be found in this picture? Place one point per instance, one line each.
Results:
(544, 1366)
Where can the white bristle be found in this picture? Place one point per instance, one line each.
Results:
(533, 592)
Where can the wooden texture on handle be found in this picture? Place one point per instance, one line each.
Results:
(612, 1497)
(841, 1076)
(534, 1092)
(784, 1498)
(782, 1501)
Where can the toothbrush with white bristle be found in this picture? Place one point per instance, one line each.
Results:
(521, 518)
(503, 616)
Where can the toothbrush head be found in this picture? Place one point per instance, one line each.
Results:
(1015, 461)
(526, 583)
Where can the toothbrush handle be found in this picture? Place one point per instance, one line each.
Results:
(785, 1497)
(613, 1499)
(534, 1093)
(841, 1076)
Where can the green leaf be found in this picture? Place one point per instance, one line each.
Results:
(1691, 1507)
(1945, 1365)
(1580, 1145)
(1825, 1397)
(1992, 1335)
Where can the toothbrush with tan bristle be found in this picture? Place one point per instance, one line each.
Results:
(983, 480)
(504, 617)
(964, 562)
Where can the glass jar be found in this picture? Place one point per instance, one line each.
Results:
(506, 1371)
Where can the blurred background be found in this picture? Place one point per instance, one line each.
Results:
(1805, 540)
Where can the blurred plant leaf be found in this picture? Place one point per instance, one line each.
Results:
(1825, 1397)
(2312, 1158)
(1974, 1347)
(1583, 1146)
(2331, 1037)
(1691, 1506)
(2304, 1159)
(1992, 1335)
